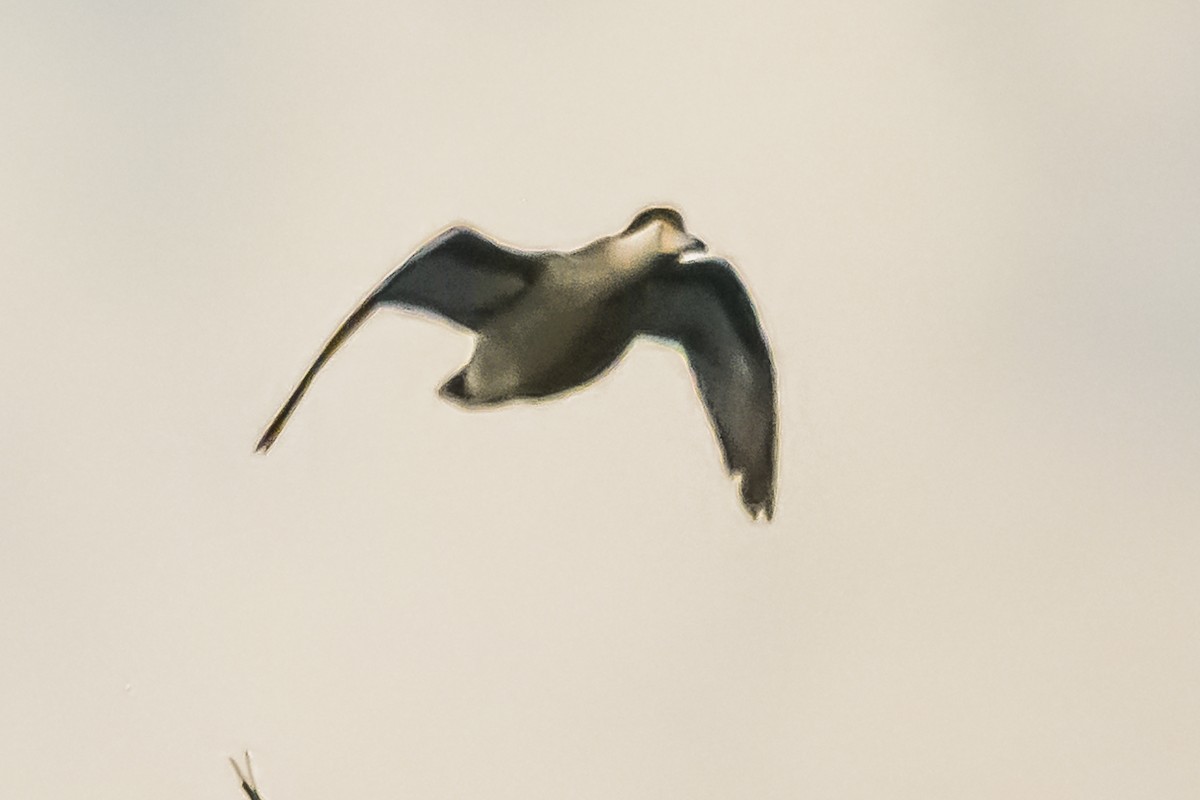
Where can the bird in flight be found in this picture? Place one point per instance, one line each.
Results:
(547, 322)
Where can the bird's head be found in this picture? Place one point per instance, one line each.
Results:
(658, 232)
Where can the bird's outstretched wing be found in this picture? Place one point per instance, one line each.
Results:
(704, 307)
(249, 785)
(461, 275)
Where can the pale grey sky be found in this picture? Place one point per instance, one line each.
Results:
(972, 236)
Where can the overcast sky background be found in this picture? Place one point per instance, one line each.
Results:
(972, 234)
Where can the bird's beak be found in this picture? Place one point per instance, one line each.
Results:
(693, 245)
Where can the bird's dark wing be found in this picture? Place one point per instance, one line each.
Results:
(460, 275)
(249, 786)
(704, 307)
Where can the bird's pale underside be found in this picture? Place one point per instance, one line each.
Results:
(547, 322)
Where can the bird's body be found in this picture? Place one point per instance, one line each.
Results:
(548, 322)
(563, 332)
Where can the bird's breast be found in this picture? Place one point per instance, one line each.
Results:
(562, 333)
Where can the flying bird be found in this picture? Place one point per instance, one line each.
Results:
(547, 322)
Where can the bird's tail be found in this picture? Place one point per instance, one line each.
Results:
(339, 337)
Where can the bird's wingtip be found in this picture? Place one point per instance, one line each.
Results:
(762, 512)
(249, 784)
(757, 505)
(268, 438)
